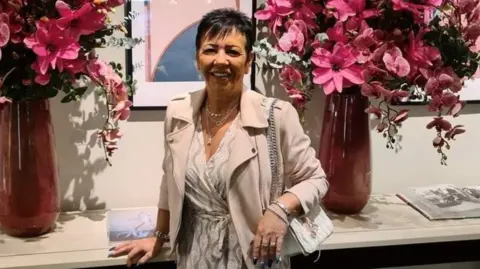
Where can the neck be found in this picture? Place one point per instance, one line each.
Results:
(219, 101)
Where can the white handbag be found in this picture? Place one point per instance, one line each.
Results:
(306, 233)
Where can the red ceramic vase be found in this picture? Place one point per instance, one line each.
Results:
(345, 151)
(29, 196)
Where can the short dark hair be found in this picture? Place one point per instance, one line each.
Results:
(221, 22)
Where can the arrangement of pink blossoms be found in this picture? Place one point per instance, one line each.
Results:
(48, 47)
(386, 49)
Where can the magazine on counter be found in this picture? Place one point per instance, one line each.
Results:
(444, 201)
(130, 224)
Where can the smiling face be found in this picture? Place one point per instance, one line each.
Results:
(223, 61)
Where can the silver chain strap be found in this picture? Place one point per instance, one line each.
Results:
(277, 182)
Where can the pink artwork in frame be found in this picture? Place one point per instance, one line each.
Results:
(164, 64)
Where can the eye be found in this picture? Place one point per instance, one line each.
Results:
(234, 52)
(209, 51)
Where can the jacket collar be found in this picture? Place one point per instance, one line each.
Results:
(251, 108)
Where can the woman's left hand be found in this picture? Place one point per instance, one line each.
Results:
(267, 244)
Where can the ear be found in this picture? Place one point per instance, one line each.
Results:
(249, 61)
(196, 62)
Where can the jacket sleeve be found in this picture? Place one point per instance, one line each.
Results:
(163, 198)
(301, 167)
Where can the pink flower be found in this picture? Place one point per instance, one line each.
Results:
(4, 31)
(416, 10)
(365, 40)
(51, 45)
(359, 7)
(337, 33)
(83, 21)
(305, 10)
(42, 79)
(111, 135)
(419, 55)
(341, 9)
(96, 69)
(298, 99)
(115, 3)
(336, 68)
(455, 130)
(105, 76)
(440, 124)
(374, 89)
(11, 19)
(292, 40)
(351, 11)
(122, 110)
(395, 62)
(273, 12)
(472, 31)
(438, 82)
(110, 138)
(290, 75)
(395, 96)
(4, 101)
(377, 112)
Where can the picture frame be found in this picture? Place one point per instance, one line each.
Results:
(470, 94)
(163, 65)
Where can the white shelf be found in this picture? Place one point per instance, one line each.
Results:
(80, 240)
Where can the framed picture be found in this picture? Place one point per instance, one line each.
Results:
(163, 65)
(470, 94)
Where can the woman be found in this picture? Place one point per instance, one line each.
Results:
(214, 199)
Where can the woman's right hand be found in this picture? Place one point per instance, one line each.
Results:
(138, 251)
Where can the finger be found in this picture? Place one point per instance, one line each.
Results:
(272, 251)
(133, 256)
(278, 254)
(145, 258)
(122, 250)
(257, 241)
(264, 250)
(121, 245)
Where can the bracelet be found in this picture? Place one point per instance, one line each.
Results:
(162, 236)
(283, 207)
(278, 214)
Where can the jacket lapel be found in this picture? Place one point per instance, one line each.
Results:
(181, 136)
(242, 150)
(179, 143)
(251, 117)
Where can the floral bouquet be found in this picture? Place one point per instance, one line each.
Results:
(387, 49)
(48, 46)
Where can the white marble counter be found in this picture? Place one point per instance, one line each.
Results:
(80, 240)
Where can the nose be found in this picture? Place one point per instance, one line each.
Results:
(221, 58)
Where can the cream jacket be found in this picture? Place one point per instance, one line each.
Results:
(249, 182)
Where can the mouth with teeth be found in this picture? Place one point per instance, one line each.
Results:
(221, 74)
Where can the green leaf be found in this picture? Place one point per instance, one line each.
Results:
(294, 56)
(273, 53)
(284, 59)
(50, 92)
(322, 37)
(74, 94)
(274, 65)
(260, 51)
